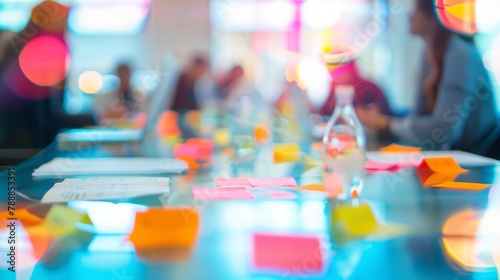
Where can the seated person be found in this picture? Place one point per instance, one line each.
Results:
(184, 98)
(31, 110)
(366, 92)
(120, 103)
(455, 107)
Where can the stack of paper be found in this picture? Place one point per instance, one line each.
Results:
(64, 167)
(103, 188)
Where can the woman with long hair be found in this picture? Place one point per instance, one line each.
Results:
(455, 108)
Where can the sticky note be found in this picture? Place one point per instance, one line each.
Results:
(221, 137)
(191, 161)
(167, 124)
(286, 182)
(222, 182)
(60, 220)
(201, 142)
(286, 252)
(165, 227)
(395, 148)
(289, 152)
(22, 215)
(186, 149)
(463, 186)
(280, 194)
(441, 165)
(430, 179)
(312, 187)
(355, 221)
(222, 193)
(262, 133)
(370, 164)
(272, 182)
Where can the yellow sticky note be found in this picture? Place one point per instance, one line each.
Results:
(356, 221)
(395, 148)
(60, 220)
(441, 165)
(289, 152)
(312, 187)
(463, 186)
(165, 227)
(221, 137)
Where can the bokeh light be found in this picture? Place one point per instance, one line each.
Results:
(457, 15)
(320, 13)
(313, 76)
(45, 60)
(468, 16)
(90, 82)
(359, 23)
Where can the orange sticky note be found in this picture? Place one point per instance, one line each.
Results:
(22, 215)
(428, 178)
(441, 165)
(395, 148)
(463, 186)
(165, 227)
(261, 133)
(312, 187)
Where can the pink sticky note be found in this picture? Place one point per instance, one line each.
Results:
(287, 182)
(273, 182)
(263, 182)
(410, 163)
(281, 194)
(222, 193)
(222, 182)
(285, 252)
(191, 150)
(374, 165)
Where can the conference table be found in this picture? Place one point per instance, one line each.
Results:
(422, 249)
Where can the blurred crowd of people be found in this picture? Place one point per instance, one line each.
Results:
(31, 113)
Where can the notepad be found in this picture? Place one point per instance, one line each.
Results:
(115, 180)
(65, 167)
(62, 192)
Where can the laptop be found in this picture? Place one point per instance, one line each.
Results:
(159, 99)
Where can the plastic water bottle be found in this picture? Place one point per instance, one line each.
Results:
(344, 148)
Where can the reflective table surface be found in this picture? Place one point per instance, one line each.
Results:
(223, 247)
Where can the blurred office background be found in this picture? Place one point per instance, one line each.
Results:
(253, 33)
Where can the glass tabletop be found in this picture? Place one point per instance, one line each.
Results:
(224, 247)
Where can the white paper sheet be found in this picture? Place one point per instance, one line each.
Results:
(64, 193)
(463, 158)
(116, 181)
(65, 167)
